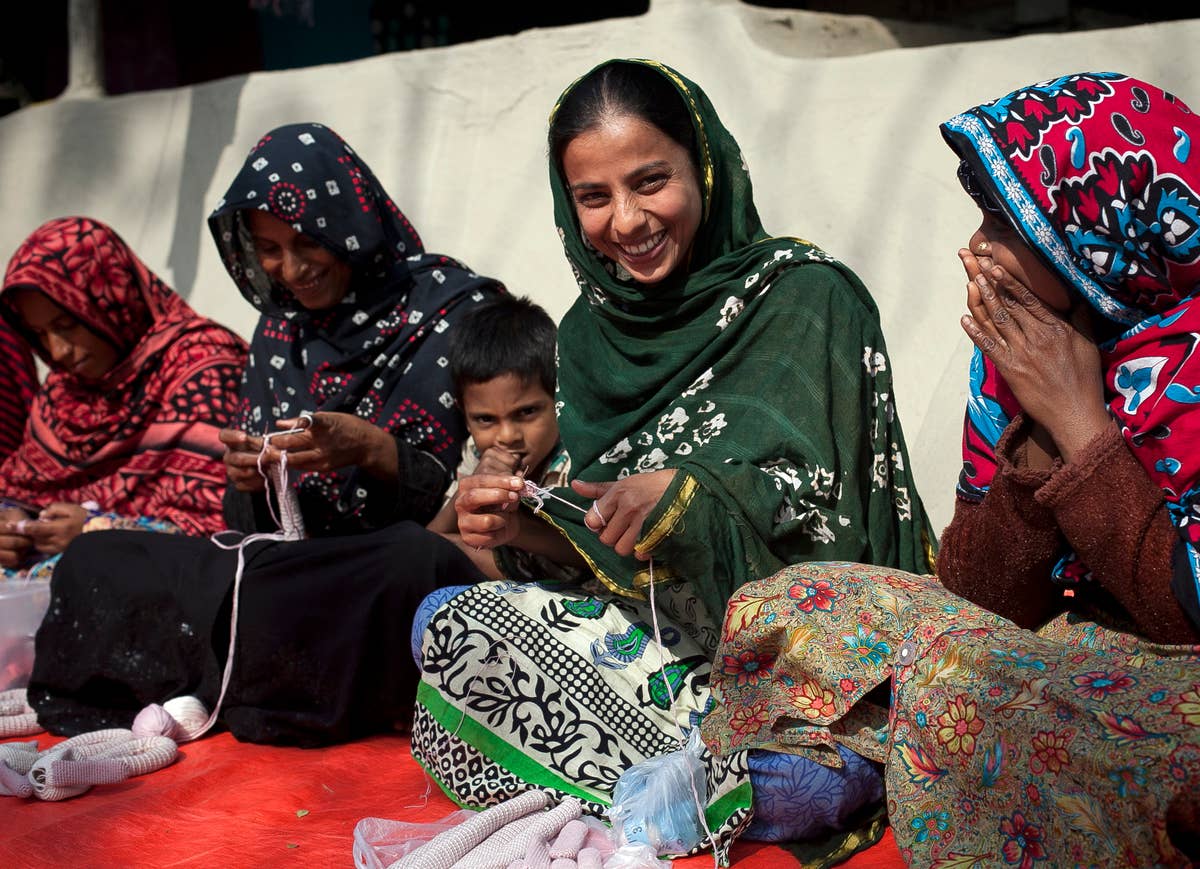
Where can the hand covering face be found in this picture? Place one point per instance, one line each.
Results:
(1098, 174)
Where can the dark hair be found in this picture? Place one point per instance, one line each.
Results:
(979, 192)
(506, 335)
(617, 89)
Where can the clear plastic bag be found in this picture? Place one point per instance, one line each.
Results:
(378, 842)
(634, 857)
(654, 803)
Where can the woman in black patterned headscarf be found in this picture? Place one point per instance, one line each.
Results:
(355, 323)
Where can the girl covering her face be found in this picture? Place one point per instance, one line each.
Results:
(1045, 688)
(1097, 191)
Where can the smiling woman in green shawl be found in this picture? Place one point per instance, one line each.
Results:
(726, 400)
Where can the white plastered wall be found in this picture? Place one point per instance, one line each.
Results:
(844, 151)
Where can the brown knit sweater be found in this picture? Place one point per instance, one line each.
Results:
(999, 552)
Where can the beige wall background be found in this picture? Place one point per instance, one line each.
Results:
(837, 124)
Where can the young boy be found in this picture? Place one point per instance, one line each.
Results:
(502, 367)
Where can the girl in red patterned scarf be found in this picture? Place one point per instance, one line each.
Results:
(124, 429)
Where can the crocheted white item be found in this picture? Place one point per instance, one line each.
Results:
(445, 850)
(17, 717)
(75, 765)
(192, 718)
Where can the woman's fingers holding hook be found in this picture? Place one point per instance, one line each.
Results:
(239, 441)
(622, 506)
(595, 518)
(294, 434)
(606, 516)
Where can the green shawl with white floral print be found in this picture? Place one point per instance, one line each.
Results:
(759, 372)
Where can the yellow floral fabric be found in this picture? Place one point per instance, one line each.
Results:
(1002, 746)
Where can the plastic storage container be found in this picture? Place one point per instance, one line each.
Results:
(22, 606)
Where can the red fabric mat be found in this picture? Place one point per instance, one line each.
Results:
(227, 803)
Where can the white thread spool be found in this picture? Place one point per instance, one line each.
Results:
(154, 720)
(190, 715)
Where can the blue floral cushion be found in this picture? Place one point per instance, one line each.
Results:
(796, 798)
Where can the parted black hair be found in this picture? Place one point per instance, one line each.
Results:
(502, 336)
(616, 89)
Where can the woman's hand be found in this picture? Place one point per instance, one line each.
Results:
(56, 526)
(14, 545)
(1051, 365)
(487, 509)
(337, 440)
(619, 508)
(241, 460)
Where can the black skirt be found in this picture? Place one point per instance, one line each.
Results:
(322, 653)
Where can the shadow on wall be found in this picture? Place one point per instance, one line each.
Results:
(211, 123)
(69, 173)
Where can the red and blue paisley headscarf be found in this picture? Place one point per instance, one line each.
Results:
(1099, 174)
(381, 352)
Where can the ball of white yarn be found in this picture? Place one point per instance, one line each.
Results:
(154, 720)
(191, 715)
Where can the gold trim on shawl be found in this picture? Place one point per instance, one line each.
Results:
(930, 554)
(641, 579)
(606, 580)
(670, 516)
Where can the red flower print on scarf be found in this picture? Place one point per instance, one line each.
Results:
(749, 668)
(1024, 845)
(813, 594)
(1098, 684)
(813, 702)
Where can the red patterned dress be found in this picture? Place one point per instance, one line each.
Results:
(141, 443)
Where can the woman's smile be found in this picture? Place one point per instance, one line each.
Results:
(647, 249)
(312, 273)
(307, 287)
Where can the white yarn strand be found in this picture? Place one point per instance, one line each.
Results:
(538, 495)
(106, 756)
(291, 527)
